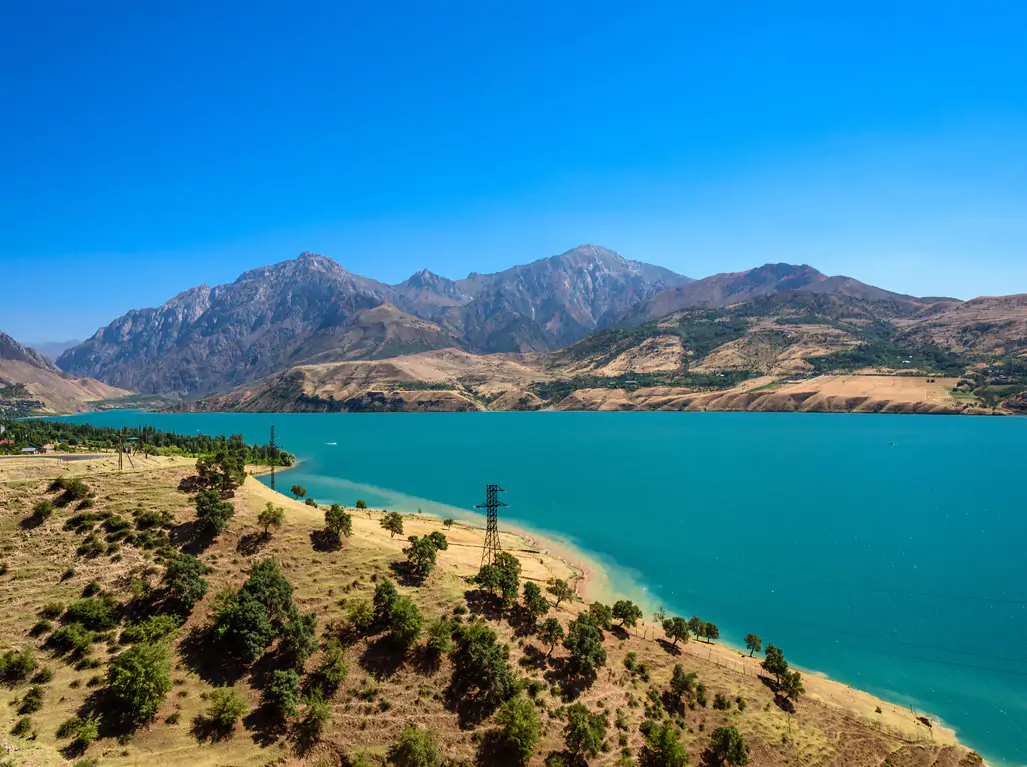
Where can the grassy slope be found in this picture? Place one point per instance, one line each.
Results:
(832, 726)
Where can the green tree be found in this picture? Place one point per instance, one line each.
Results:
(509, 568)
(338, 522)
(676, 628)
(519, 727)
(404, 623)
(393, 522)
(710, 632)
(361, 505)
(415, 748)
(270, 516)
(627, 612)
(551, 633)
(184, 582)
(482, 672)
(225, 708)
(299, 638)
(682, 685)
(775, 662)
(385, 595)
(584, 642)
(535, 604)
(248, 621)
(727, 746)
(212, 513)
(448, 523)
(440, 637)
(696, 626)
(421, 555)
(298, 491)
(791, 685)
(561, 590)
(753, 644)
(439, 539)
(584, 732)
(281, 694)
(662, 746)
(333, 668)
(222, 472)
(601, 614)
(138, 681)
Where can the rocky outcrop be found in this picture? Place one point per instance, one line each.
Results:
(16, 352)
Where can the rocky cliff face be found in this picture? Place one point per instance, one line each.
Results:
(12, 350)
(543, 305)
(208, 338)
(311, 309)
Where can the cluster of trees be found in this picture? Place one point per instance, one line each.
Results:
(246, 622)
(502, 578)
(679, 630)
(148, 440)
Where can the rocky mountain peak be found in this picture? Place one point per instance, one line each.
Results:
(12, 350)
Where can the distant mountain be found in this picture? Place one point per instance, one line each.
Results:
(53, 349)
(540, 306)
(723, 290)
(14, 351)
(31, 384)
(311, 309)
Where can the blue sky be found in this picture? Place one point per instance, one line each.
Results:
(150, 147)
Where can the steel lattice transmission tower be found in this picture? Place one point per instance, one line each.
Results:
(491, 506)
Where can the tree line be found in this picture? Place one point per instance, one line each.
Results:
(149, 440)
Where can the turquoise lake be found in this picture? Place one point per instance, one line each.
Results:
(885, 551)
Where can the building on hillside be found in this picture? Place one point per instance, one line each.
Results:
(28, 451)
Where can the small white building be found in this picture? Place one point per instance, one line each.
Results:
(28, 451)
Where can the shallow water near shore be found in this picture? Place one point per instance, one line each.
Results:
(884, 551)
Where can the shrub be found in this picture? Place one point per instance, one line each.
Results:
(138, 680)
(729, 747)
(184, 582)
(584, 732)
(68, 574)
(16, 665)
(282, 692)
(52, 610)
(43, 676)
(98, 613)
(212, 513)
(42, 510)
(440, 637)
(82, 731)
(404, 622)
(317, 717)
(73, 639)
(32, 700)
(153, 629)
(415, 748)
(332, 670)
(520, 728)
(22, 727)
(361, 616)
(226, 708)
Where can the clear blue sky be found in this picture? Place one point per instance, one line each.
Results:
(152, 146)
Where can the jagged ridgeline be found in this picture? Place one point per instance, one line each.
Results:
(74, 437)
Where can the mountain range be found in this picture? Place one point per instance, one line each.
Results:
(308, 334)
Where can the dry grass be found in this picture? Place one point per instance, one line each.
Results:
(831, 726)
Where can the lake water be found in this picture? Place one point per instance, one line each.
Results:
(885, 551)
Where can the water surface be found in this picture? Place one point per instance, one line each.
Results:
(886, 551)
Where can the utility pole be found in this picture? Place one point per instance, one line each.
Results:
(121, 449)
(491, 506)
